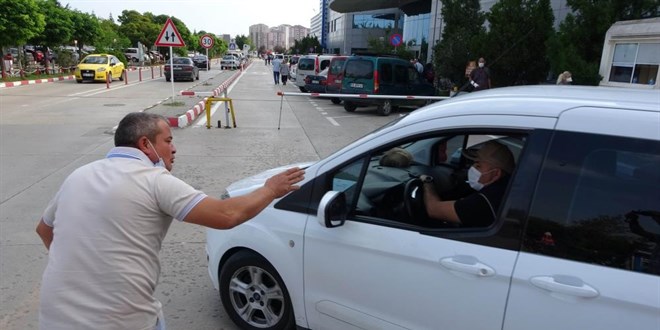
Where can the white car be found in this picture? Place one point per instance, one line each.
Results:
(229, 62)
(575, 243)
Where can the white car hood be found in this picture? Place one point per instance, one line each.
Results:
(251, 183)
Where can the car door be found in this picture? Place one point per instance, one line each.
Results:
(377, 273)
(591, 251)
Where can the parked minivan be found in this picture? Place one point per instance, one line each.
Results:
(383, 76)
(310, 65)
(574, 244)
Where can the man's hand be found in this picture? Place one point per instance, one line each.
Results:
(283, 183)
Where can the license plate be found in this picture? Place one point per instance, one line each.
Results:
(177, 68)
(354, 85)
(315, 81)
(88, 75)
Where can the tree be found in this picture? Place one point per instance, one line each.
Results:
(242, 40)
(578, 45)
(139, 28)
(59, 25)
(519, 30)
(16, 28)
(304, 45)
(382, 45)
(86, 28)
(461, 36)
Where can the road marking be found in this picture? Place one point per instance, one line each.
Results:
(332, 121)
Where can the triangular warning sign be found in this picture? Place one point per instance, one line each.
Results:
(169, 36)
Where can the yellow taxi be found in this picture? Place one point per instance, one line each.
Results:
(98, 67)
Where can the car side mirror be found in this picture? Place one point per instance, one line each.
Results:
(333, 210)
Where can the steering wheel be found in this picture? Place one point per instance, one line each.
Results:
(413, 198)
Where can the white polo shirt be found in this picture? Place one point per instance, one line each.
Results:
(109, 220)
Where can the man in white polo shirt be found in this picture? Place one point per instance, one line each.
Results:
(105, 226)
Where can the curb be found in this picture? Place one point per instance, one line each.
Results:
(192, 114)
(31, 82)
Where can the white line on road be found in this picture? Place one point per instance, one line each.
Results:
(332, 121)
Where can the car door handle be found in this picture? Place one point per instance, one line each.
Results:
(467, 264)
(565, 284)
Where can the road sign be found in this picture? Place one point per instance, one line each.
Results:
(169, 36)
(396, 39)
(232, 46)
(206, 41)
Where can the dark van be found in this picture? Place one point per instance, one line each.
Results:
(376, 75)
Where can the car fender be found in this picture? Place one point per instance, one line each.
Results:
(283, 248)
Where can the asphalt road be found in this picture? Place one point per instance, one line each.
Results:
(48, 130)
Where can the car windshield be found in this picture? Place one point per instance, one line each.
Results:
(359, 69)
(95, 60)
(228, 57)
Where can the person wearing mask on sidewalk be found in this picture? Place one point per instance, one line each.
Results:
(284, 71)
(105, 226)
(565, 78)
(480, 77)
(277, 63)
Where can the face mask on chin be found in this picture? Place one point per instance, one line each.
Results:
(160, 162)
(481, 64)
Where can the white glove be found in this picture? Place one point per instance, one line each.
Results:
(474, 84)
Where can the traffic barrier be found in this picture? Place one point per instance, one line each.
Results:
(125, 77)
(152, 72)
(207, 106)
(364, 96)
(107, 80)
(140, 73)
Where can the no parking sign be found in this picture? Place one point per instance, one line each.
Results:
(396, 39)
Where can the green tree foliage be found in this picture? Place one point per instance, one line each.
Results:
(304, 45)
(20, 21)
(86, 28)
(462, 39)
(382, 45)
(59, 25)
(138, 27)
(516, 41)
(577, 46)
(242, 40)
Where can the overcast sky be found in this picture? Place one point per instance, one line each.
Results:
(232, 17)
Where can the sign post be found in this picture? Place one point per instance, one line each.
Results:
(169, 37)
(207, 42)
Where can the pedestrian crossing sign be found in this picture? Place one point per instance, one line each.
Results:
(169, 36)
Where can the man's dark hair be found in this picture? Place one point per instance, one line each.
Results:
(136, 125)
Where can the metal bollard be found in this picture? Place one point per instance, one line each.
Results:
(140, 73)
(125, 77)
(107, 80)
(152, 72)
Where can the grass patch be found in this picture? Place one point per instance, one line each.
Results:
(35, 77)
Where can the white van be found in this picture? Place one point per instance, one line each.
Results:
(310, 65)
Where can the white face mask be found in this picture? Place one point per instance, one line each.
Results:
(481, 64)
(160, 162)
(473, 178)
(569, 79)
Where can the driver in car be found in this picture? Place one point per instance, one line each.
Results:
(488, 177)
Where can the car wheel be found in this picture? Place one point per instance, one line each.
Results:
(349, 106)
(335, 100)
(386, 108)
(253, 293)
(302, 89)
(121, 76)
(197, 77)
(167, 79)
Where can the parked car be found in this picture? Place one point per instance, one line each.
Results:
(184, 69)
(335, 76)
(317, 83)
(132, 55)
(574, 244)
(385, 76)
(229, 62)
(310, 65)
(99, 67)
(201, 61)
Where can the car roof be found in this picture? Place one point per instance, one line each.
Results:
(539, 100)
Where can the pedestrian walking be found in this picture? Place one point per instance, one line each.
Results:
(284, 71)
(276, 70)
(480, 77)
(418, 66)
(105, 226)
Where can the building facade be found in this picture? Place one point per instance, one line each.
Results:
(282, 36)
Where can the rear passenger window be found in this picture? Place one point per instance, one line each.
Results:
(359, 69)
(598, 201)
(306, 64)
(386, 73)
(324, 64)
(400, 74)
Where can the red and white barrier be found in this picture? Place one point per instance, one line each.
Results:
(364, 96)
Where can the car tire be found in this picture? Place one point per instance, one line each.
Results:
(302, 89)
(335, 100)
(386, 108)
(167, 79)
(266, 296)
(197, 77)
(349, 106)
(121, 76)
(79, 81)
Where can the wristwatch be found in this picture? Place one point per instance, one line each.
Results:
(426, 178)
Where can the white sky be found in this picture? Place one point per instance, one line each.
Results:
(232, 17)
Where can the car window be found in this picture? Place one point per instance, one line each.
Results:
(306, 64)
(95, 60)
(324, 64)
(386, 75)
(182, 60)
(336, 66)
(598, 202)
(413, 75)
(380, 192)
(400, 74)
(361, 69)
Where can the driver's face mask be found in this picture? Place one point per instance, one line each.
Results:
(160, 162)
(473, 178)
